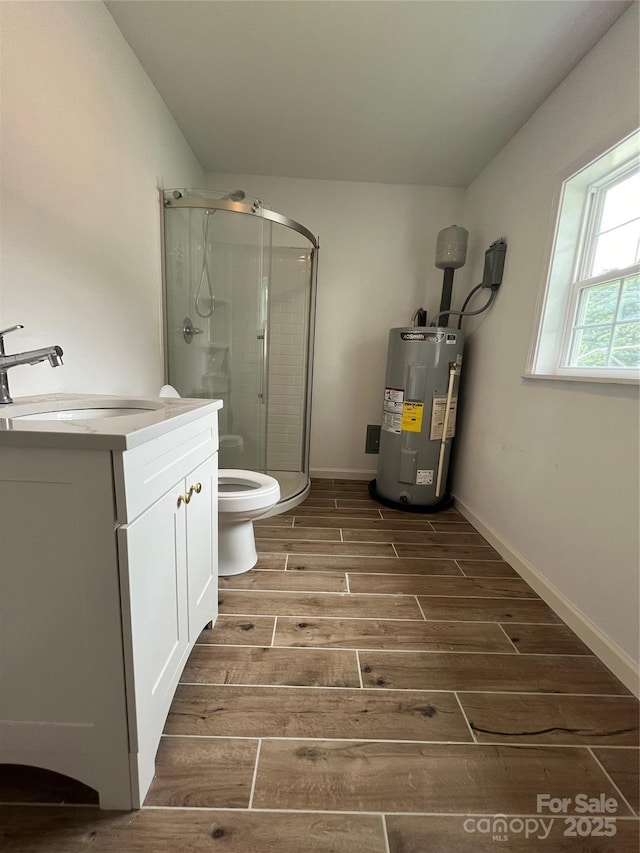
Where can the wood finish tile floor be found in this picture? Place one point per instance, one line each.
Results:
(380, 683)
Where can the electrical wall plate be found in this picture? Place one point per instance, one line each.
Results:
(372, 444)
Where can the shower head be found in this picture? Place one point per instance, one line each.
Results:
(236, 195)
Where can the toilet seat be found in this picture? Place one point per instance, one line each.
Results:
(246, 491)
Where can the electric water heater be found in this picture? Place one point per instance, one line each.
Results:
(418, 418)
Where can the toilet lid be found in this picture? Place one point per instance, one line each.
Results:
(168, 391)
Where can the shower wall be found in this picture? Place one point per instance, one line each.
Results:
(288, 312)
(236, 269)
(228, 352)
(180, 269)
(245, 410)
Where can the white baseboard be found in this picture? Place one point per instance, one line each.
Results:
(342, 474)
(610, 653)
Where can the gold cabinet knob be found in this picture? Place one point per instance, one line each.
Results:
(197, 489)
(184, 499)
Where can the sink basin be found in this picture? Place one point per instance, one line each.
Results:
(82, 414)
(75, 410)
(96, 421)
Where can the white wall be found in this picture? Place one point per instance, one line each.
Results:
(377, 244)
(86, 141)
(552, 466)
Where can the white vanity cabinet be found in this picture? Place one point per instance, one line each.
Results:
(107, 577)
(170, 591)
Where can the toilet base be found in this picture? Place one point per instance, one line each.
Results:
(236, 547)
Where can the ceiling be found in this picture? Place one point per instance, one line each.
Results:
(393, 91)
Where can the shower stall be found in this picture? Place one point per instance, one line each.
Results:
(239, 306)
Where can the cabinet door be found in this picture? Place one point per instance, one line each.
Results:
(202, 546)
(153, 580)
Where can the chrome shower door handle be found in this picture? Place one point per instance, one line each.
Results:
(263, 374)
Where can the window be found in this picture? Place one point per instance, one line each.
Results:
(590, 325)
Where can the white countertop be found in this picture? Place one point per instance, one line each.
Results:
(162, 415)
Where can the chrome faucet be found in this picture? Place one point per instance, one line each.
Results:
(54, 354)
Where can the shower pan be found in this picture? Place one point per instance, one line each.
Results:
(239, 306)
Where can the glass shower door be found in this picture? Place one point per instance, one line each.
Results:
(290, 309)
(216, 310)
(240, 283)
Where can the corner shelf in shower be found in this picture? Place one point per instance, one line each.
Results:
(217, 383)
(214, 347)
(217, 303)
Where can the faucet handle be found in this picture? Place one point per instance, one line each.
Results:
(4, 332)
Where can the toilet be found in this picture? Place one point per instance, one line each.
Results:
(243, 496)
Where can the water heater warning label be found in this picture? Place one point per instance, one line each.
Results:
(412, 417)
(392, 410)
(393, 399)
(391, 423)
(437, 417)
(424, 477)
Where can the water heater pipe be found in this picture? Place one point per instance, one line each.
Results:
(453, 371)
(447, 290)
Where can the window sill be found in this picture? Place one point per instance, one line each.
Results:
(603, 380)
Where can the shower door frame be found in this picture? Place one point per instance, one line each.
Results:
(253, 209)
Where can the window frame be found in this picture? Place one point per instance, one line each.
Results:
(564, 281)
(576, 290)
(594, 208)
